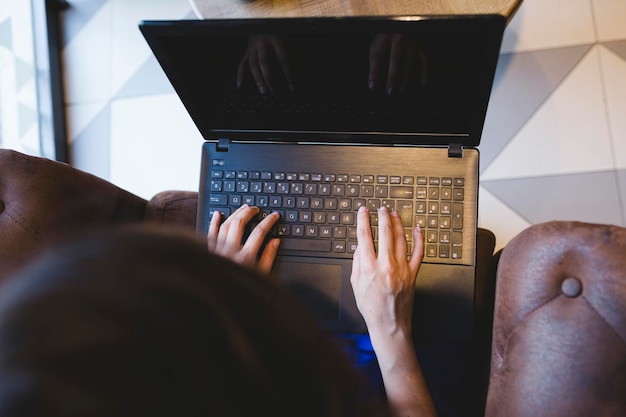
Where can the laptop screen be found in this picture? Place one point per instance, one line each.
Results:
(394, 80)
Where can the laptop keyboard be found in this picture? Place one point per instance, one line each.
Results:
(318, 211)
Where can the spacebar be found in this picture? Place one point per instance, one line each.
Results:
(306, 244)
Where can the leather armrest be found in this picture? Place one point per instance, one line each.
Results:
(42, 201)
(559, 335)
(173, 208)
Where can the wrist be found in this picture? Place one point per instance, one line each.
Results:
(391, 333)
(391, 346)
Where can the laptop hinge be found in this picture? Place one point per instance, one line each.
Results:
(455, 150)
(223, 145)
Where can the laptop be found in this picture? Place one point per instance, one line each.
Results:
(314, 117)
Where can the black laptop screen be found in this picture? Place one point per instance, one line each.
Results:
(400, 80)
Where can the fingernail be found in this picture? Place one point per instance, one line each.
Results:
(395, 214)
(362, 209)
(383, 208)
(262, 89)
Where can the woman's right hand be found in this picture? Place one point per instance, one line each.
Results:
(384, 281)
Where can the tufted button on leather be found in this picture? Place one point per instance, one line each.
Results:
(1, 206)
(572, 287)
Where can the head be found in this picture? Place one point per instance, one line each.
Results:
(140, 322)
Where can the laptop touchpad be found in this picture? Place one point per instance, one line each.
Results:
(317, 286)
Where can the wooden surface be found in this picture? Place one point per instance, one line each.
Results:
(213, 9)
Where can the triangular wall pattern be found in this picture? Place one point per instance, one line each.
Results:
(24, 72)
(6, 36)
(591, 197)
(567, 134)
(523, 82)
(149, 79)
(621, 184)
(495, 215)
(90, 149)
(618, 48)
(77, 16)
(614, 71)
(27, 118)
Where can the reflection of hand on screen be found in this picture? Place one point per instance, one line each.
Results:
(263, 54)
(400, 57)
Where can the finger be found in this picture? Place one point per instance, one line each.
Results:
(237, 227)
(418, 251)
(385, 234)
(356, 268)
(355, 276)
(241, 70)
(266, 261)
(265, 67)
(365, 242)
(223, 230)
(396, 62)
(283, 61)
(257, 75)
(378, 50)
(258, 234)
(214, 229)
(399, 237)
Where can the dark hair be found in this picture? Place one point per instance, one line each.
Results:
(142, 322)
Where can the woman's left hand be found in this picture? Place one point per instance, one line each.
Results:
(226, 240)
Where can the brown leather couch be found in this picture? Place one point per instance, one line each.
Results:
(559, 323)
(42, 202)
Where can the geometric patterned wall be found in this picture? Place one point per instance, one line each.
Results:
(19, 121)
(554, 143)
(555, 137)
(125, 122)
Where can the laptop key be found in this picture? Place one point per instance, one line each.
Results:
(218, 199)
(405, 211)
(401, 192)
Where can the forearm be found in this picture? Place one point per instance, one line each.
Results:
(406, 389)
